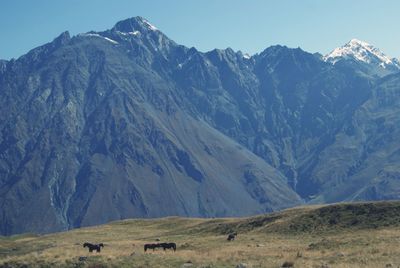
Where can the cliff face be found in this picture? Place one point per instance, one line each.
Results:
(127, 123)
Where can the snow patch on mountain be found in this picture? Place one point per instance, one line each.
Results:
(150, 26)
(129, 33)
(246, 56)
(100, 36)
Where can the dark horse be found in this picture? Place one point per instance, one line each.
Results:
(168, 246)
(231, 236)
(160, 245)
(92, 247)
(150, 246)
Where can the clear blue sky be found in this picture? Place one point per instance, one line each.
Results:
(250, 26)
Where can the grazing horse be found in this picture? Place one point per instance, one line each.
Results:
(92, 247)
(150, 246)
(168, 246)
(231, 236)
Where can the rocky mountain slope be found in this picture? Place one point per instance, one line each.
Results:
(127, 123)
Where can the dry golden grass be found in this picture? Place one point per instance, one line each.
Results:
(203, 243)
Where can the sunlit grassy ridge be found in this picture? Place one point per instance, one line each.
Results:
(342, 235)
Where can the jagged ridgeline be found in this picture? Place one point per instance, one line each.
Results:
(126, 123)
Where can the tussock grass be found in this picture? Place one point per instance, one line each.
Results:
(341, 235)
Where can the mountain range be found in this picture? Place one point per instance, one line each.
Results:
(126, 123)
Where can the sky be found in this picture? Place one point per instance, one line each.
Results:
(246, 25)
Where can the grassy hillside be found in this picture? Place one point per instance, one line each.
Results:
(341, 235)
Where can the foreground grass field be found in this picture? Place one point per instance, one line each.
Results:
(342, 235)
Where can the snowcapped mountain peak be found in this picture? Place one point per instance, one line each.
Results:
(361, 51)
(134, 24)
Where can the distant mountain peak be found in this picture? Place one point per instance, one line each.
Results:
(135, 24)
(361, 51)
